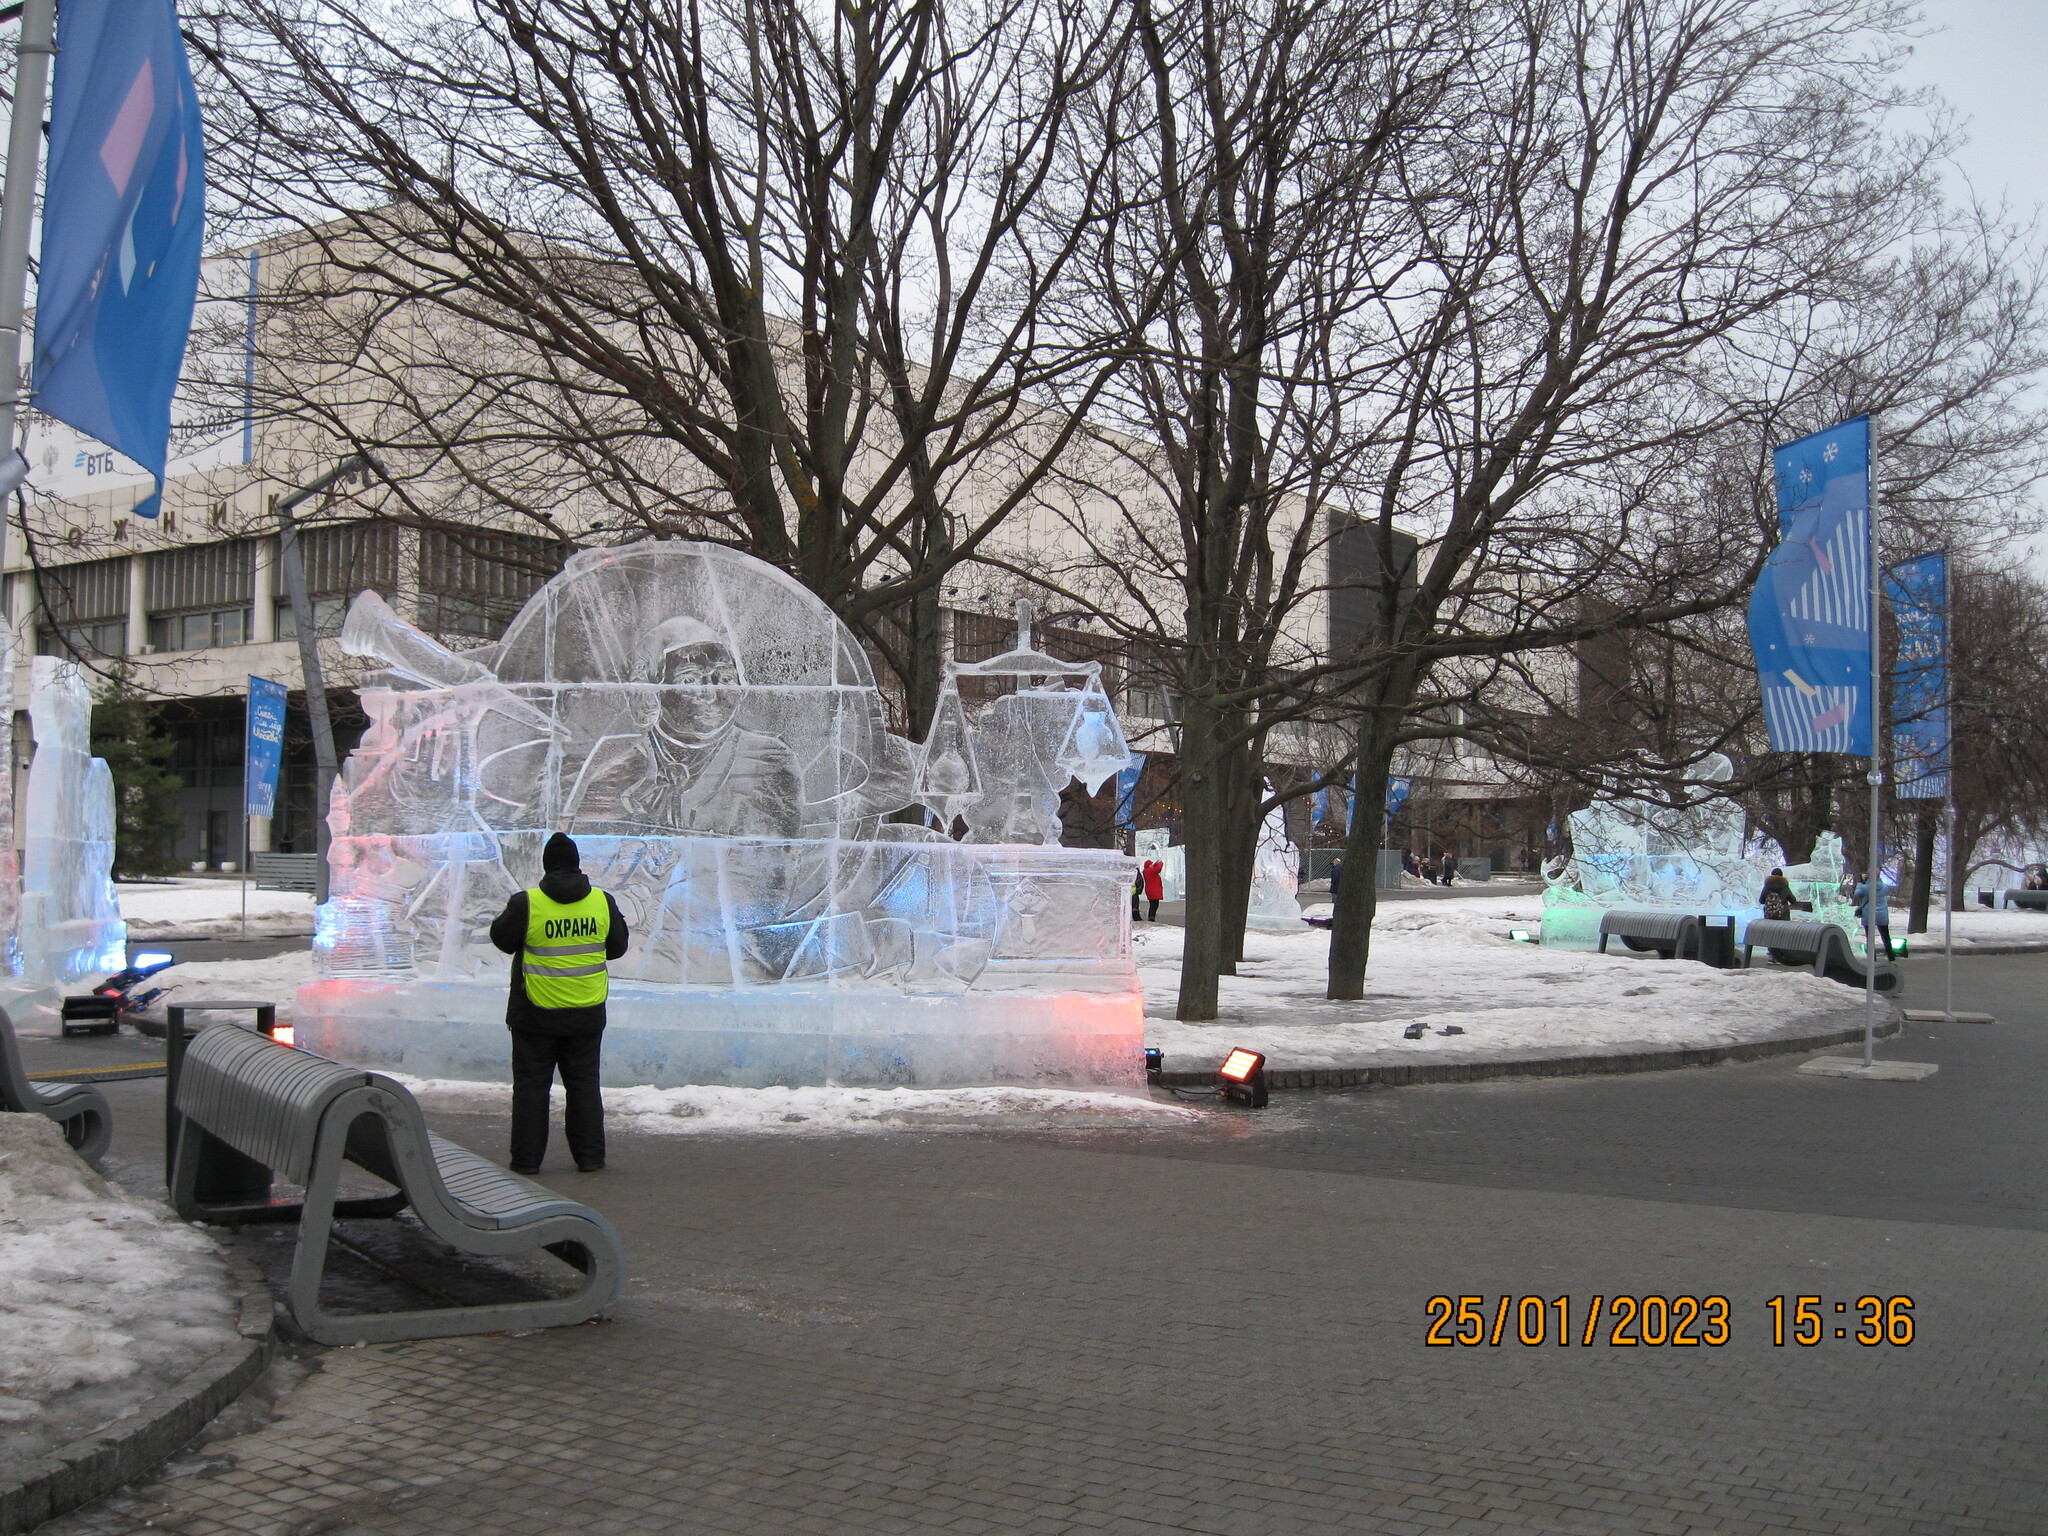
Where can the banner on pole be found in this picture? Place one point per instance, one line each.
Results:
(1397, 796)
(1810, 615)
(1127, 790)
(263, 753)
(124, 209)
(1918, 589)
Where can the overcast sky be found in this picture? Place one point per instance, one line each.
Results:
(1990, 59)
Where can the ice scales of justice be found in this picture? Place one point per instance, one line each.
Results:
(712, 736)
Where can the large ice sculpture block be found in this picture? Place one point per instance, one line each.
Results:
(712, 736)
(70, 922)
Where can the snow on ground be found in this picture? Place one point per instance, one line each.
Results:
(104, 1300)
(190, 909)
(1449, 964)
(701, 1111)
(1978, 925)
(275, 978)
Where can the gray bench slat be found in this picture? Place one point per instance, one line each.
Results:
(1789, 934)
(1646, 925)
(261, 1098)
(506, 1198)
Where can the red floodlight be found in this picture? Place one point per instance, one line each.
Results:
(1244, 1078)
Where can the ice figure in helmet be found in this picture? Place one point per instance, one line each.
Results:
(712, 735)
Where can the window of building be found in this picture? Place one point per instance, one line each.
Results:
(86, 605)
(472, 584)
(198, 631)
(200, 596)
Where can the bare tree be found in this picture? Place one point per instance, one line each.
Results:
(744, 270)
(1254, 153)
(1663, 200)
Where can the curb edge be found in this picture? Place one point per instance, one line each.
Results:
(102, 1463)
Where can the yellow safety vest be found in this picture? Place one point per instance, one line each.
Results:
(563, 960)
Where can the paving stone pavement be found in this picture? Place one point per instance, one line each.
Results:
(1222, 1330)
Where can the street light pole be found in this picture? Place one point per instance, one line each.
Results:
(289, 556)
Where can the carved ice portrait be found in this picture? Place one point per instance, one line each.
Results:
(713, 737)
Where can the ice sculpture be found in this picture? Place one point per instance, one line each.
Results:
(1638, 855)
(70, 922)
(711, 734)
(1276, 876)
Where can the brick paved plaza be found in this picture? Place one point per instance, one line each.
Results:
(1221, 1329)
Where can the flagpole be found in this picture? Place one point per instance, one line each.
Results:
(1948, 728)
(1876, 778)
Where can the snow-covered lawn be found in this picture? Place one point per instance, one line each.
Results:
(104, 1301)
(190, 909)
(1450, 965)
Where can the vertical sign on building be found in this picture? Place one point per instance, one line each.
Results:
(1127, 791)
(264, 751)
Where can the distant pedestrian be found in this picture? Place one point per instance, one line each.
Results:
(1137, 893)
(1777, 896)
(560, 934)
(1450, 867)
(1336, 875)
(1876, 910)
(1153, 877)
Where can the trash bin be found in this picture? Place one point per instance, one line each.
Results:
(1717, 942)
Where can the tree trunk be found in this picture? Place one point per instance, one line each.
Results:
(1923, 869)
(1240, 853)
(1358, 891)
(1204, 795)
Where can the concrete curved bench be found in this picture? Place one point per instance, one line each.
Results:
(1668, 933)
(2033, 900)
(80, 1108)
(1823, 945)
(302, 1116)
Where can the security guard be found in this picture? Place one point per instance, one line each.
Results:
(559, 936)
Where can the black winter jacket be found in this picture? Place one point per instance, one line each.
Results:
(508, 932)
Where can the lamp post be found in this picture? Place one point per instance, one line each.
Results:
(289, 556)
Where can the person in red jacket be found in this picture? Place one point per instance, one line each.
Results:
(1154, 886)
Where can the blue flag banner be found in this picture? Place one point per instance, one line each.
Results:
(1127, 790)
(1918, 590)
(1397, 796)
(263, 752)
(1319, 807)
(124, 209)
(1810, 616)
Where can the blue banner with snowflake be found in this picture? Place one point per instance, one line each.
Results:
(1810, 615)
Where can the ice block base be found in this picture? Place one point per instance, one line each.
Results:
(783, 1036)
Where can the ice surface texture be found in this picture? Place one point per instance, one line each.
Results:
(70, 924)
(1637, 855)
(712, 736)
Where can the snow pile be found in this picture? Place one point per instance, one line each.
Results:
(274, 978)
(1449, 965)
(97, 1291)
(709, 1110)
(193, 909)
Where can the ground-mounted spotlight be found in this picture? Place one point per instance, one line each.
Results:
(1155, 1065)
(1244, 1078)
(1521, 936)
(1899, 950)
(283, 1034)
(150, 959)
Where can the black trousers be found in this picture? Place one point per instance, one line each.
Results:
(1152, 915)
(535, 1060)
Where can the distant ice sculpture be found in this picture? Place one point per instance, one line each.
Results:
(1638, 855)
(711, 734)
(1276, 876)
(70, 922)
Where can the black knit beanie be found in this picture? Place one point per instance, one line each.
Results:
(560, 853)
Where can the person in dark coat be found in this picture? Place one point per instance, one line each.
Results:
(1777, 896)
(1450, 867)
(560, 935)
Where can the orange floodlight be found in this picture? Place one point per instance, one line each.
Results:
(1244, 1078)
